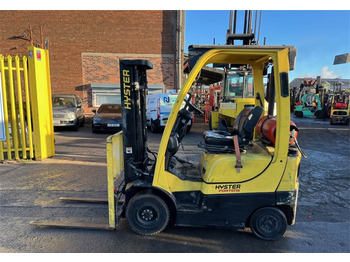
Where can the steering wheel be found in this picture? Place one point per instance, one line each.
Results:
(191, 107)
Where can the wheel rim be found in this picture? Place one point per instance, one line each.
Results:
(268, 225)
(147, 216)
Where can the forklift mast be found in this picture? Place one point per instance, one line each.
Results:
(133, 89)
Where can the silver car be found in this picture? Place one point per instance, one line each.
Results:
(67, 111)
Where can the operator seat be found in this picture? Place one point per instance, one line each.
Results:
(220, 141)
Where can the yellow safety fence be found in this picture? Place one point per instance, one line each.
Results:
(115, 167)
(16, 108)
(27, 108)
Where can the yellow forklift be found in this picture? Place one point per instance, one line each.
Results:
(244, 178)
(340, 107)
(237, 93)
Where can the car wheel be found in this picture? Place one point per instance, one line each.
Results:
(76, 126)
(268, 223)
(93, 129)
(154, 127)
(147, 214)
(82, 122)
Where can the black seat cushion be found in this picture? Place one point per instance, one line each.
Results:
(216, 137)
(243, 127)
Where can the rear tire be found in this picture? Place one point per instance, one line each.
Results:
(319, 114)
(298, 114)
(268, 223)
(147, 214)
(154, 127)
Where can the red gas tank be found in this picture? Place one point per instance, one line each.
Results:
(340, 106)
(267, 128)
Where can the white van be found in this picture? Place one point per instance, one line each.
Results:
(158, 110)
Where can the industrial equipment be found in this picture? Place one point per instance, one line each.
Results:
(240, 181)
(307, 102)
(340, 106)
(245, 178)
(309, 105)
(237, 89)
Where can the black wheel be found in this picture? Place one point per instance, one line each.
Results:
(93, 129)
(154, 127)
(82, 122)
(331, 121)
(76, 126)
(268, 223)
(319, 114)
(298, 113)
(147, 214)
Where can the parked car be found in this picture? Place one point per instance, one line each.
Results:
(108, 118)
(67, 111)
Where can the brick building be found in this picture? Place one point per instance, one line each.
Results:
(85, 47)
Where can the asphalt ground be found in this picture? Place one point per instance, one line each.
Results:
(30, 190)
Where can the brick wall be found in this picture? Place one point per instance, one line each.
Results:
(73, 34)
(104, 68)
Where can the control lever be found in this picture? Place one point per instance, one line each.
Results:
(259, 98)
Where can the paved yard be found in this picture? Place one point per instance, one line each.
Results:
(30, 191)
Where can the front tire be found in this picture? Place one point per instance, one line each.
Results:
(82, 122)
(76, 126)
(154, 127)
(147, 214)
(268, 223)
(298, 114)
(319, 114)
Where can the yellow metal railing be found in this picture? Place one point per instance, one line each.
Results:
(17, 112)
(27, 107)
(115, 167)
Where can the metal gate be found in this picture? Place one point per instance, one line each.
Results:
(27, 108)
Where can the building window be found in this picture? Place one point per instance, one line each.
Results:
(110, 93)
(105, 93)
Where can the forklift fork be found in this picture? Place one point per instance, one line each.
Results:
(82, 225)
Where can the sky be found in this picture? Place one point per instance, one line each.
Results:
(318, 35)
(319, 30)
